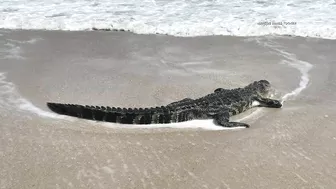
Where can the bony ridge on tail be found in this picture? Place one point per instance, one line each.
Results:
(219, 105)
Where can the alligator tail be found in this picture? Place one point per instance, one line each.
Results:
(115, 115)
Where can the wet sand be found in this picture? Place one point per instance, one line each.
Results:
(292, 147)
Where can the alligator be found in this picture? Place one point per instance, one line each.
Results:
(220, 105)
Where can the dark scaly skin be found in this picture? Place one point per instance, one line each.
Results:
(219, 105)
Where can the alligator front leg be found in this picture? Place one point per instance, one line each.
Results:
(222, 118)
(269, 103)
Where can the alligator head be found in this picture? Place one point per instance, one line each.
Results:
(262, 87)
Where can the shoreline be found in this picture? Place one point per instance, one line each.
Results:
(111, 30)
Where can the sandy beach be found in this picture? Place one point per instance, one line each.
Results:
(291, 147)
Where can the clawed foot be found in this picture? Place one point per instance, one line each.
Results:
(233, 124)
(274, 104)
(236, 124)
(222, 119)
(269, 103)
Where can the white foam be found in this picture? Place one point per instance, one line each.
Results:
(193, 124)
(302, 66)
(176, 17)
(255, 103)
(30, 41)
(10, 99)
(10, 51)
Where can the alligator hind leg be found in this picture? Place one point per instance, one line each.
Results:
(223, 119)
(219, 90)
(269, 103)
(180, 102)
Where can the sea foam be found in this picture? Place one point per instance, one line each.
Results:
(176, 17)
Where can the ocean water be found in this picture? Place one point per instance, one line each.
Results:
(305, 18)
